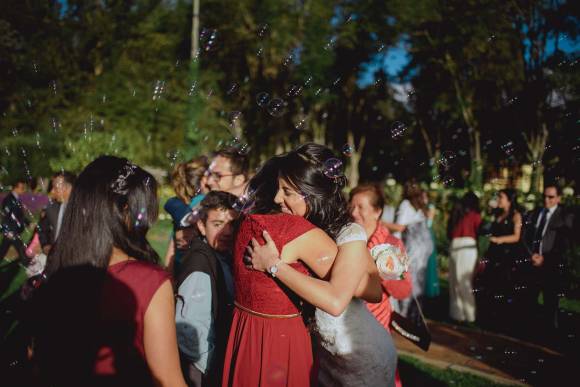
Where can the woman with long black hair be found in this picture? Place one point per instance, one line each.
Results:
(105, 314)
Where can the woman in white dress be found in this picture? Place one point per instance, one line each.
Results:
(354, 349)
(412, 227)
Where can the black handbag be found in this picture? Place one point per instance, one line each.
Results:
(413, 329)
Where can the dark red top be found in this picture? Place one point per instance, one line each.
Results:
(467, 226)
(127, 292)
(256, 290)
(88, 324)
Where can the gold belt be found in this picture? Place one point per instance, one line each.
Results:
(266, 315)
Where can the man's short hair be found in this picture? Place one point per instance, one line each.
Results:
(240, 163)
(216, 200)
(68, 177)
(19, 181)
(556, 186)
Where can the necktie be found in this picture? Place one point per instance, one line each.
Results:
(539, 231)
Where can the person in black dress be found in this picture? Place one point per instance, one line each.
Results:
(505, 283)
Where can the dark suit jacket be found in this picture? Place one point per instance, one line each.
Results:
(13, 218)
(556, 239)
(48, 223)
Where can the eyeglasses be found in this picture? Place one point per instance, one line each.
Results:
(216, 175)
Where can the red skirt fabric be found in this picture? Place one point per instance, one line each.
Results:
(267, 352)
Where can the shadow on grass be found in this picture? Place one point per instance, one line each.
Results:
(527, 357)
(411, 375)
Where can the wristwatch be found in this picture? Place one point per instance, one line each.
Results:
(273, 269)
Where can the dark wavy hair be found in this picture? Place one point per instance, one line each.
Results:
(326, 205)
(512, 196)
(303, 168)
(113, 203)
(263, 186)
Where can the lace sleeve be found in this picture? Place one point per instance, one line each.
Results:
(350, 233)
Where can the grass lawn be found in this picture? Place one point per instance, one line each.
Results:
(416, 373)
(159, 236)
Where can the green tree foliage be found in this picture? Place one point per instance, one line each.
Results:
(91, 77)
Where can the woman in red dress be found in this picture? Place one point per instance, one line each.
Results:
(269, 344)
(105, 315)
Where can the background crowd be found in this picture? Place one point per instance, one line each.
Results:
(94, 228)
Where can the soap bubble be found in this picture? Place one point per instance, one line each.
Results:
(262, 99)
(508, 148)
(158, 89)
(301, 124)
(245, 202)
(447, 159)
(288, 60)
(277, 107)
(262, 30)
(192, 89)
(398, 129)
(294, 91)
(234, 119)
(241, 147)
(347, 150)
(333, 168)
(330, 44)
(233, 88)
(208, 39)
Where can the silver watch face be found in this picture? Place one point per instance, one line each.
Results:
(273, 269)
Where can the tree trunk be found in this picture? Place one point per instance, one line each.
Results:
(352, 172)
(433, 149)
(536, 144)
(465, 104)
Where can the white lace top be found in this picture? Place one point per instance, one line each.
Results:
(350, 233)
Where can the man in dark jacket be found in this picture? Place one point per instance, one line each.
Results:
(14, 222)
(548, 236)
(205, 290)
(49, 223)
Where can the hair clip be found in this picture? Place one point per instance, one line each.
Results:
(119, 186)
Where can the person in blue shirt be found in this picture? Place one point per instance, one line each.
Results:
(205, 292)
(189, 183)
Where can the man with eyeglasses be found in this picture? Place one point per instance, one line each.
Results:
(228, 171)
(547, 235)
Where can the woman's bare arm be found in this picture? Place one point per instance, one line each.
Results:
(160, 340)
(346, 273)
(394, 227)
(169, 256)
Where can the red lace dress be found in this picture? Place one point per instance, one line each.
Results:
(269, 345)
